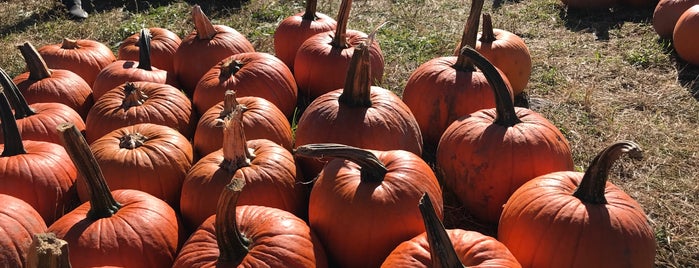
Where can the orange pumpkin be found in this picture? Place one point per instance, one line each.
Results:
(19, 221)
(666, 14)
(603, 226)
(163, 45)
(686, 35)
(84, 57)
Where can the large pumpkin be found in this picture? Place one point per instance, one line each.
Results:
(19, 221)
(321, 60)
(124, 228)
(269, 171)
(686, 35)
(261, 120)
(575, 219)
(294, 30)
(84, 57)
(437, 247)
(163, 45)
(358, 115)
(255, 74)
(250, 236)
(487, 155)
(363, 201)
(38, 172)
(41, 84)
(666, 14)
(207, 45)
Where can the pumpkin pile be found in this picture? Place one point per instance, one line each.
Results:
(181, 153)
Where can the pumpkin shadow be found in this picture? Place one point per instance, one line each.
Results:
(688, 76)
(137, 6)
(36, 16)
(601, 21)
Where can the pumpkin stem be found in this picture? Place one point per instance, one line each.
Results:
(232, 245)
(441, 248)
(48, 251)
(230, 102)
(340, 38)
(35, 63)
(133, 96)
(506, 115)
(69, 44)
(310, 12)
(144, 62)
(12, 138)
(487, 36)
(205, 29)
(229, 68)
(372, 170)
(592, 187)
(15, 97)
(102, 203)
(235, 150)
(468, 39)
(132, 141)
(357, 91)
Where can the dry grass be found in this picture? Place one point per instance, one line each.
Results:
(599, 76)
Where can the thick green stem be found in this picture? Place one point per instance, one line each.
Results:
(310, 12)
(372, 170)
(592, 187)
(144, 62)
(235, 150)
(102, 203)
(487, 35)
(133, 96)
(340, 38)
(205, 29)
(232, 245)
(48, 251)
(441, 248)
(15, 97)
(468, 39)
(12, 138)
(35, 63)
(506, 114)
(357, 90)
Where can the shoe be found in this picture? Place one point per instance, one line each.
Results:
(76, 11)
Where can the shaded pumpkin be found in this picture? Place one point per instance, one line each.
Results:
(140, 102)
(250, 236)
(84, 57)
(486, 155)
(19, 221)
(363, 201)
(41, 84)
(207, 45)
(575, 219)
(261, 120)
(163, 45)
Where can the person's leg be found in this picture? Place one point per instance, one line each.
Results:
(75, 8)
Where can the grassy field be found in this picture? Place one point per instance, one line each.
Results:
(600, 76)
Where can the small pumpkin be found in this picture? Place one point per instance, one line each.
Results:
(250, 236)
(125, 228)
(363, 201)
(19, 221)
(437, 247)
(207, 45)
(163, 45)
(122, 71)
(140, 102)
(686, 35)
(575, 219)
(294, 30)
(486, 155)
(84, 57)
(261, 120)
(41, 84)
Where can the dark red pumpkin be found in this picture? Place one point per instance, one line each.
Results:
(250, 236)
(163, 45)
(294, 30)
(269, 171)
(123, 228)
(485, 156)
(575, 219)
(261, 120)
(363, 201)
(207, 45)
(84, 57)
(41, 84)
(19, 221)
(255, 74)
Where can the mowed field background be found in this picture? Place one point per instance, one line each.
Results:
(599, 75)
